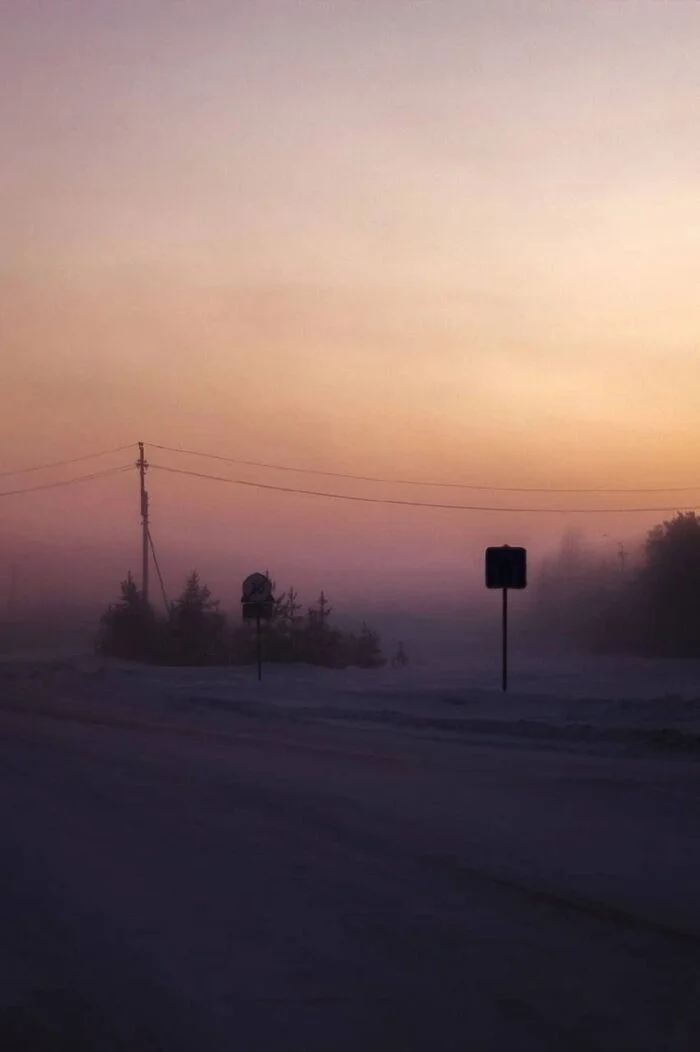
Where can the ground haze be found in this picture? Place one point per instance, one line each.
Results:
(346, 860)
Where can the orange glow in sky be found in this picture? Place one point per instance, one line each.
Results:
(455, 241)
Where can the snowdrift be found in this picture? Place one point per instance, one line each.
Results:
(572, 701)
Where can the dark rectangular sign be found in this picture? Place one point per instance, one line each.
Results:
(253, 611)
(506, 567)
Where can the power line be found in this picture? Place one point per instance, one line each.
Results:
(160, 575)
(405, 503)
(68, 482)
(421, 482)
(65, 463)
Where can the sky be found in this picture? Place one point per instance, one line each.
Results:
(445, 241)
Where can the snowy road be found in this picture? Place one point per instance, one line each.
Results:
(299, 885)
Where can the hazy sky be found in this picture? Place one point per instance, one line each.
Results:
(448, 240)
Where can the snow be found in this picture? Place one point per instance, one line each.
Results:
(569, 697)
(393, 859)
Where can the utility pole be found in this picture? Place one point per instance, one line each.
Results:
(12, 594)
(142, 465)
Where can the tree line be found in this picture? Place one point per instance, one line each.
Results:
(648, 605)
(196, 631)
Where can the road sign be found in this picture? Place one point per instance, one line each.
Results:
(506, 567)
(253, 611)
(258, 605)
(257, 588)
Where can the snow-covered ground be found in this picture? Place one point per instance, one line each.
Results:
(350, 860)
(566, 698)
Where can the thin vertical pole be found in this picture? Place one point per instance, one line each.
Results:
(504, 680)
(142, 465)
(12, 593)
(259, 645)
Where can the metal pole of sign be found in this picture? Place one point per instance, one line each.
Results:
(504, 681)
(259, 643)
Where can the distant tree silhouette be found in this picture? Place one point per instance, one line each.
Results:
(670, 587)
(318, 615)
(656, 610)
(315, 645)
(311, 638)
(196, 627)
(369, 651)
(128, 628)
(400, 658)
(284, 636)
(293, 608)
(195, 632)
(569, 585)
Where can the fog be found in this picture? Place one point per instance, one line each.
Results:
(54, 594)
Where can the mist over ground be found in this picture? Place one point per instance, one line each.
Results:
(347, 292)
(443, 614)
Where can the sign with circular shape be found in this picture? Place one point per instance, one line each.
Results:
(257, 588)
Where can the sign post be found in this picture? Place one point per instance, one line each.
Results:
(258, 644)
(504, 655)
(506, 568)
(257, 604)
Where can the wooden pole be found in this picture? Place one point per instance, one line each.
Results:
(259, 644)
(142, 465)
(504, 677)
